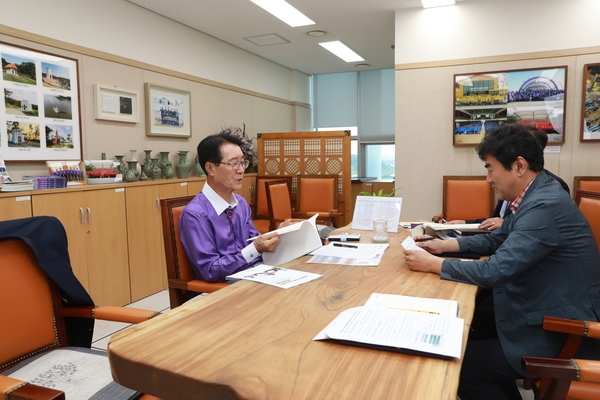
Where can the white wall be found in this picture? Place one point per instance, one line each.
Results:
(125, 29)
(487, 35)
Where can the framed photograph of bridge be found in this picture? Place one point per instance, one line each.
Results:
(590, 109)
(486, 100)
(40, 117)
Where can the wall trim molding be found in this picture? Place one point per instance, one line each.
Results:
(502, 58)
(61, 45)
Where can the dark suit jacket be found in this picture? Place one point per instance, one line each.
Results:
(47, 239)
(544, 262)
(496, 213)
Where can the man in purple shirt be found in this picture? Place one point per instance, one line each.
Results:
(216, 224)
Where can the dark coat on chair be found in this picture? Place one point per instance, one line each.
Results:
(47, 239)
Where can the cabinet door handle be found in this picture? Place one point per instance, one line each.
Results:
(89, 210)
(157, 204)
(81, 213)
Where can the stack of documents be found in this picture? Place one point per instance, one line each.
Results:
(16, 186)
(364, 255)
(447, 231)
(400, 323)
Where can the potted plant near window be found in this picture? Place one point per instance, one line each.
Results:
(380, 193)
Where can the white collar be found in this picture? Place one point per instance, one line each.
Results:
(217, 201)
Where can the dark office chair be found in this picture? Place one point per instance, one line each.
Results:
(47, 319)
(182, 284)
(565, 377)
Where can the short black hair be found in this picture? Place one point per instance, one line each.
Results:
(539, 135)
(510, 141)
(209, 148)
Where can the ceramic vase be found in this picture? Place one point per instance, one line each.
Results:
(129, 174)
(132, 165)
(148, 163)
(168, 172)
(156, 172)
(133, 156)
(164, 157)
(199, 169)
(183, 166)
(121, 167)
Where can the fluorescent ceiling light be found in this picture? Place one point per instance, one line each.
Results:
(284, 12)
(342, 51)
(437, 3)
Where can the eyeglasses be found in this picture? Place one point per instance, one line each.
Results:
(234, 165)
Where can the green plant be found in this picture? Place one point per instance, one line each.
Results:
(380, 193)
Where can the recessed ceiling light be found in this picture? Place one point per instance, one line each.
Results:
(316, 33)
(342, 51)
(285, 12)
(362, 65)
(437, 3)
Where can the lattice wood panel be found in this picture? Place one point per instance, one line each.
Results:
(316, 153)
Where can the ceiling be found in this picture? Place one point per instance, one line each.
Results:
(366, 26)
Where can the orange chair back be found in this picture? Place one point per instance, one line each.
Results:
(279, 200)
(317, 193)
(589, 204)
(588, 183)
(182, 282)
(262, 207)
(28, 304)
(467, 197)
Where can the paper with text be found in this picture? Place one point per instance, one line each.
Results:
(362, 254)
(443, 307)
(399, 329)
(275, 276)
(368, 208)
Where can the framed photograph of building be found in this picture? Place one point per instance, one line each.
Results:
(590, 104)
(116, 104)
(167, 112)
(486, 100)
(39, 120)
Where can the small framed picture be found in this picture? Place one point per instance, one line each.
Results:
(590, 105)
(167, 112)
(116, 104)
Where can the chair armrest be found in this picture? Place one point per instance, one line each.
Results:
(205, 287)
(109, 313)
(573, 369)
(14, 389)
(574, 327)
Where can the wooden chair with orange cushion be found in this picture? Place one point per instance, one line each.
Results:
(466, 197)
(318, 194)
(182, 283)
(564, 377)
(279, 201)
(261, 212)
(47, 319)
(587, 183)
(589, 204)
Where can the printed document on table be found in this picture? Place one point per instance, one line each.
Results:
(442, 307)
(397, 330)
(358, 254)
(275, 276)
(368, 208)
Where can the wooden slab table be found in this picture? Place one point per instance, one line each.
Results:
(254, 341)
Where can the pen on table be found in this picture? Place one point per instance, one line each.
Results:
(425, 239)
(351, 246)
(421, 311)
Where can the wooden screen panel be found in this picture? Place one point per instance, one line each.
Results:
(308, 153)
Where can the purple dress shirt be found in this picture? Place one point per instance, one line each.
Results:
(213, 243)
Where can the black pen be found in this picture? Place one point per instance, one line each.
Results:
(351, 246)
(425, 239)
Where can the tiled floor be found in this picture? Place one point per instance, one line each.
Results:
(103, 330)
